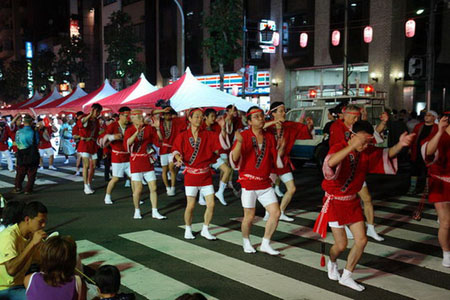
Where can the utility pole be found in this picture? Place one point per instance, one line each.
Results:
(180, 8)
(345, 74)
(430, 52)
(244, 46)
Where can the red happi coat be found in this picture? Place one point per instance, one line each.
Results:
(141, 159)
(90, 130)
(417, 130)
(339, 132)
(255, 163)
(169, 134)
(290, 131)
(198, 155)
(119, 152)
(342, 182)
(5, 133)
(44, 142)
(438, 170)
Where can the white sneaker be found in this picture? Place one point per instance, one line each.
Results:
(66, 162)
(108, 199)
(348, 281)
(333, 272)
(127, 183)
(188, 233)
(283, 217)
(41, 168)
(137, 214)
(266, 216)
(265, 247)
(171, 191)
(278, 191)
(221, 198)
(206, 234)
(201, 199)
(157, 215)
(373, 234)
(348, 232)
(248, 248)
(51, 168)
(88, 190)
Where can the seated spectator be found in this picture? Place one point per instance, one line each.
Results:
(11, 214)
(194, 296)
(107, 278)
(19, 243)
(57, 279)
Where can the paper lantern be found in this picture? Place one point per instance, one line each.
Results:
(276, 39)
(335, 37)
(368, 34)
(303, 39)
(410, 28)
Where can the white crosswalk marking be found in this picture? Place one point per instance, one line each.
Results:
(145, 281)
(38, 181)
(256, 277)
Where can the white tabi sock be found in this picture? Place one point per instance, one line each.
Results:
(137, 214)
(108, 199)
(222, 186)
(347, 280)
(157, 215)
(206, 234)
(333, 272)
(188, 233)
(247, 245)
(373, 234)
(265, 247)
(446, 259)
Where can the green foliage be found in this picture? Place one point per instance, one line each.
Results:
(43, 70)
(121, 44)
(224, 25)
(70, 65)
(13, 85)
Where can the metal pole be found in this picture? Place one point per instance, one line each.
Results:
(180, 8)
(430, 53)
(345, 74)
(443, 99)
(244, 46)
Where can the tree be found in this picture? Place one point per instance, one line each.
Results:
(43, 70)
(13, 85)
(70, 65)
(121, 44)
(224, 27)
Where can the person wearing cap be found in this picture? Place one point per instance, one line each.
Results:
(423, 130)
(436, 154)
(290, 132)
(197, 149)
(88, 131)
(138, 140)
(120, 157)
(5, 134)
(254, 154)
(45, 146)
(345, 169)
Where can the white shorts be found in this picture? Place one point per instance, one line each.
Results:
(47, 151)
(286, 177)
(148, 176)
(335, 224)
(166, 159)
(120, 169)
(224, 156)
(89, 155)
(265, 197)
(192, 191)
(218, 163)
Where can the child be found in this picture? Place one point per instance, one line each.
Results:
(108, 283)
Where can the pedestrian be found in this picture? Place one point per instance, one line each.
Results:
(254, 154)
(27, 140)
(197, 149)
(68, 145)
(436, 153)
(46, 130)
(56, 279)
(413, 121)
(11, 213)
(107, 279)
(76, 136)
(345, 169)
(19, 244)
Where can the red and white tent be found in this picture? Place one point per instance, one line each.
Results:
(49, 98)
(36, 97)
(48, 106)
(138, 89)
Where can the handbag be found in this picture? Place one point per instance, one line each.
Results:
(29, 156)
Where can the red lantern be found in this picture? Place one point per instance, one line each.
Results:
(276, 39)
(335, 37)
(368, 89)
(368, 34)
(312, 93)
(303, 39)
(410, 28)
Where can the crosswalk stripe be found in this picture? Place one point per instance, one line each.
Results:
(4, 184)
(384, 230)
(62, 175)
(38, 181)
(377, 278)
(74, 169)
(409, 207)
(142, 280)
(256, 277)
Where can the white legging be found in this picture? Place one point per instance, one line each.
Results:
(8, 157)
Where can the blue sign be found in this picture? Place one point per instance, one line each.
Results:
(28, 50)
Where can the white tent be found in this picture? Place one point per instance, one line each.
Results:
(192, 93)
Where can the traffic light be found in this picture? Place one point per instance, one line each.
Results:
(368, 90)
(416, 67)
(312, 93)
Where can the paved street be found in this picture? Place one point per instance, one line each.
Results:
(157, 263)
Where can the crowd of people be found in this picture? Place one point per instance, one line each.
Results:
(256, 144)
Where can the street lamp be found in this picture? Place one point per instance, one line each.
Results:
(180, 8)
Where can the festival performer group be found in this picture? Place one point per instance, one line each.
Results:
(257, 145)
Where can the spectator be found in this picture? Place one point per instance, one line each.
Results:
(57, 279)
(18, 245)
(412, 122)
(108, 283)
(403, 116)
(27, 140)
(194, 296)
(11, 214)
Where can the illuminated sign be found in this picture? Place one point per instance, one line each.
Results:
(267, 49)
(74, 29)
(28, 50)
